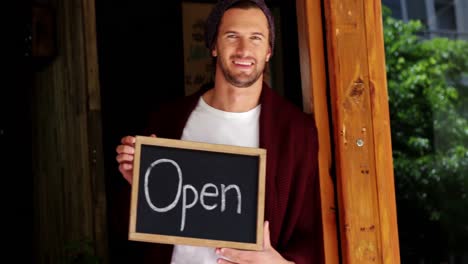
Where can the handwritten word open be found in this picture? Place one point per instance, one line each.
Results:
(182, 189)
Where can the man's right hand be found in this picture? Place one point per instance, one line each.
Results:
(125, 154)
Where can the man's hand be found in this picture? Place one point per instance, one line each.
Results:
(267, 255)
(125, 154)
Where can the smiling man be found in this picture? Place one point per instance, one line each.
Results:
(242, 47)
(240, 109)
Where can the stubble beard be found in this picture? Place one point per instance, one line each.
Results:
(241, 80)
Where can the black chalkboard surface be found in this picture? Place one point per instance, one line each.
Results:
(198, 194)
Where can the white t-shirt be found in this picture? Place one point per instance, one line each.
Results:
(211, 125)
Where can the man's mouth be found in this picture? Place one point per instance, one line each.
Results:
(243, 63)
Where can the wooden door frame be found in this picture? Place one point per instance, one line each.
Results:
(366, 230)
(314, 94)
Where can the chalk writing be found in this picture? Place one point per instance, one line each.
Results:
(182, 189)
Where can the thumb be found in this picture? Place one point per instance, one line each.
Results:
(266, 235)
(153, 135)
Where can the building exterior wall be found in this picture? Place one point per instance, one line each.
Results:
(442, 18)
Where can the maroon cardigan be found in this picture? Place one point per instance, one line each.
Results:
(292, 199)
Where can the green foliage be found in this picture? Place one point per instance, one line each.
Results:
(81, 252)
(429, 117)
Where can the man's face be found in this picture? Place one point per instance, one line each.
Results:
(242, 46)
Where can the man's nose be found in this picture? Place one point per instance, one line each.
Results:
(242, 47)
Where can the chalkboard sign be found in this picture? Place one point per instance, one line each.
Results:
(199, 194)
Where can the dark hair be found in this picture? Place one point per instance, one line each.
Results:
(213, 20)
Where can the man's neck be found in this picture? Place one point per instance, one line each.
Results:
(229, 98)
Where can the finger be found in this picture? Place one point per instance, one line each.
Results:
(128, 140)
(153, 135)
(234, 255)
(125, 167)
(225, 261)
(124, 158)
(125, 149)
(266, 235)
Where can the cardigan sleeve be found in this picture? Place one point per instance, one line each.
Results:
(305, 245)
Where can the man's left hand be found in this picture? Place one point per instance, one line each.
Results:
(267, 255)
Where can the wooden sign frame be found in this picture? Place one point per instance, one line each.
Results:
(189, 145)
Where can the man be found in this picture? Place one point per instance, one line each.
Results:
(241, 110)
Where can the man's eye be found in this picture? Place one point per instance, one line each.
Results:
(231, 36)
(256, 38)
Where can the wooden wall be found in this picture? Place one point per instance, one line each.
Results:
(69, 194)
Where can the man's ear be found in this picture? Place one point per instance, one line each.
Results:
(268, 54)
(214, 52)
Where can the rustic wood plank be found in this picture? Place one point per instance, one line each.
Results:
(314, 87)
(69, 186)
(361, 131)
(95, 142)
(382, 134)
(92, 70)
